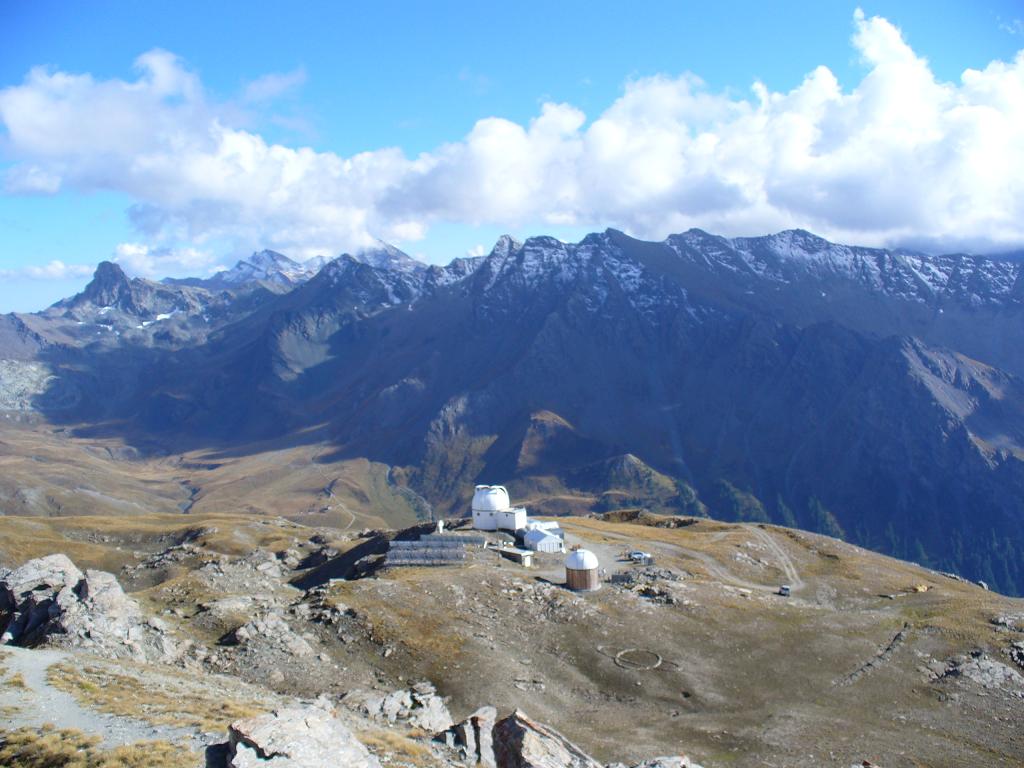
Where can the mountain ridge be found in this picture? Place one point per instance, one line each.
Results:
(782, 378)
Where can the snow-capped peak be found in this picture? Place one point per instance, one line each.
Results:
(385, 256)
(506, 244)
(268, 259)
(267, 265)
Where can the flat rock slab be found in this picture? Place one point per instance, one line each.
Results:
(299, 737)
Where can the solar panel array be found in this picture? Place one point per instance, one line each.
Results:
(465, 538)
(421, 544)
(425, 557)
(431, 549)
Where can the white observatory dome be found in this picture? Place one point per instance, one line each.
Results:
(581, 560)
(490, 498)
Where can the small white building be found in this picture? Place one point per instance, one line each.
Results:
(542, 525)
(581, 571)
(492, 511)
(539, 540)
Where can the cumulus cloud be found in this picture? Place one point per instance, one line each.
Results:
(55, 270)
(155, 262)
(899, 157)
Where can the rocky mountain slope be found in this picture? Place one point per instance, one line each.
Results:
(859, 392)
(247, 640)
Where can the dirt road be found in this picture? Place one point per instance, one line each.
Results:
(38, 702)
(719, 571)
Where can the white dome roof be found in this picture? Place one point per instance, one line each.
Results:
(490, 498)
(581, 560)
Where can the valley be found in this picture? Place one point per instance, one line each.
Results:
(861, 393)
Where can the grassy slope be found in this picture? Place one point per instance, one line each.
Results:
(44, 472)
(747, 677)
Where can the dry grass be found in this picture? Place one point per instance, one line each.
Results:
(23, 538)
(50, 747)
(398, 747)
(49, 473)
(406, 622)
(44, 472)
(17, 680)
(166, 701)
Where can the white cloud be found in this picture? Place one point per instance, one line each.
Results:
(1013, 26)
(147, 261)
(477, 250)
(55, 270)
(273, 85)
(31, 179)
(900, 157)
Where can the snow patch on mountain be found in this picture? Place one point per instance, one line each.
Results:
(270, 266)
(385, 256)
(796, 254)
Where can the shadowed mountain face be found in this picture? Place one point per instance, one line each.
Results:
(847, 390)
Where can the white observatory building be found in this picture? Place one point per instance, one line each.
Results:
(493, 512)
(581, 571)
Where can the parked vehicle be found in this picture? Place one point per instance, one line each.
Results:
(784, 590)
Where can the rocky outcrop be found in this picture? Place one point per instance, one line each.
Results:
(1013, 622)
(271, 629)
(109, 287)
(520, 742)
(985, 671)
(418, 707)
(473, 738)
(674, 761)
(49, 601)
(1016, 653)
(300, 737)
(21, 383)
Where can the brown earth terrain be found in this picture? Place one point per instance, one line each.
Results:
(46, 471)
(870, 658)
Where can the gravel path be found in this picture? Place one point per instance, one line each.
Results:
(718, 571)
(40, 703)
(795, 582)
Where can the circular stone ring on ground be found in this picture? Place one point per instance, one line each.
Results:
(637, 658)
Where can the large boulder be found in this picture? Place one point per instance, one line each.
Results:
(520, 742)
(474, 737)
(417, 707)
(49, 601)
(26, 594)
(300, 737)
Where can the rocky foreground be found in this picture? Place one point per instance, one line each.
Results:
(49, 602)
(230, 640)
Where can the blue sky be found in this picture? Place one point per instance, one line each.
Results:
(314, 127)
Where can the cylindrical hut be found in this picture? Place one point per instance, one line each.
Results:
(581, 571)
